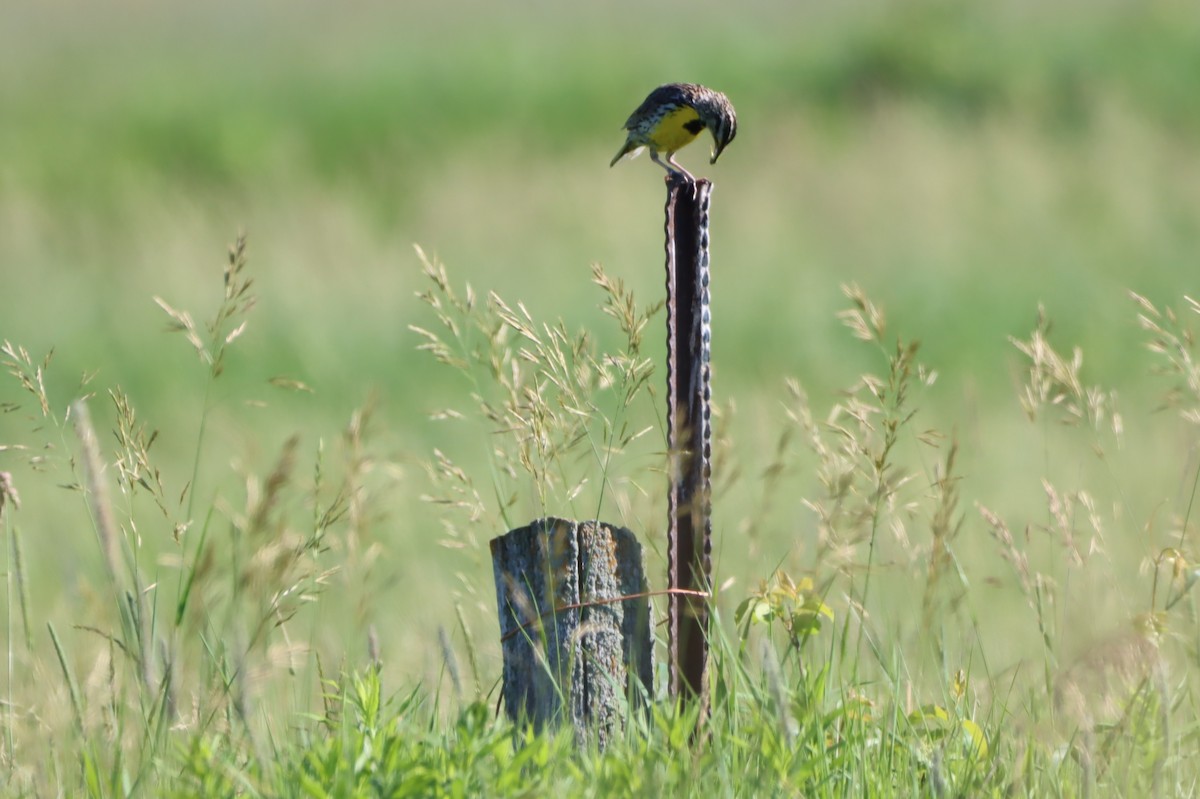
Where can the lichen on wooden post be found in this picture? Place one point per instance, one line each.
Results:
(574, 624)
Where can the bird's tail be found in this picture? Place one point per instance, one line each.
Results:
(628, 147)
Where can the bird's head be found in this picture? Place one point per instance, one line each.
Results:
(721, 122)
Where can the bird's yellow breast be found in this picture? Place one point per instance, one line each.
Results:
(676, 128)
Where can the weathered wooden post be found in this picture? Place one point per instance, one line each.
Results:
(574, 625)
(689, 416)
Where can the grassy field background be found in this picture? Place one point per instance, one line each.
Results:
(963, 164)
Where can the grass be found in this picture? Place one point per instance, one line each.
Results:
(222, 578)
(821, 687)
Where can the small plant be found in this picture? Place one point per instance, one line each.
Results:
(795, 607)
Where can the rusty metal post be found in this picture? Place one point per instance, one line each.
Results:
(689, 395)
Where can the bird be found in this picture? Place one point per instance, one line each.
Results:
(672, 116)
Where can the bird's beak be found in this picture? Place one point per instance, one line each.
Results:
(716, 151)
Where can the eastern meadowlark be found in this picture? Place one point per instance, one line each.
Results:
(672, 116)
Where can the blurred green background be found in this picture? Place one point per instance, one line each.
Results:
(962, 162)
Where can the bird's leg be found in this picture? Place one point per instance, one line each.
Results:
(670, 165)
(678, 168)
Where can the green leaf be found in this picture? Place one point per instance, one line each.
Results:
(974, 734)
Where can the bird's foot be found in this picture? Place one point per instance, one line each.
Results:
(681, 175)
